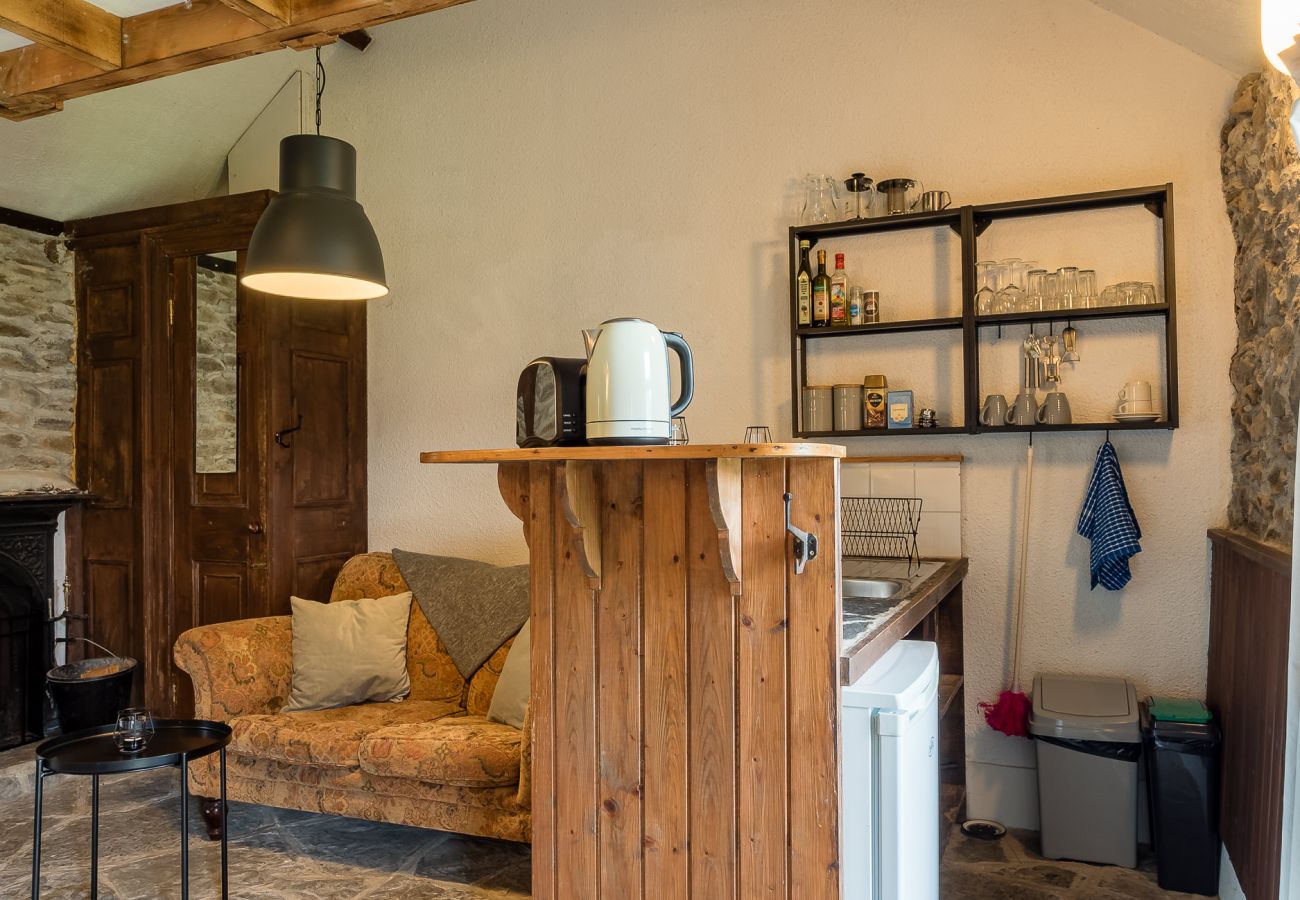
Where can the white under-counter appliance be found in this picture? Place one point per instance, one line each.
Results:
(889, 751)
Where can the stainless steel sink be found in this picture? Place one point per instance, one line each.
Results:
(872, 588)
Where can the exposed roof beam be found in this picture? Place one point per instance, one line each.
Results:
(76, 27)
(268, 13)
(35, 80)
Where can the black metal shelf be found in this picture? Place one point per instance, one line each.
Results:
(969, 222)
(1067, 315)
(1158, 425)
(886, 432)
(952, 322)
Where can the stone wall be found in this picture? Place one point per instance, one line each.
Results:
(1261, 184)
(216, 372)
(38, 380)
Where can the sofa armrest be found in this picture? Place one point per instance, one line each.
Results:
(525, 798)
(238, 668)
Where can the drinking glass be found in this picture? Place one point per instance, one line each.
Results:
(758, 434)
(986, 281)
(1052, 291)
(134, 729)
(1034, 281)
(678, 435)
(1011, 288)
(1110, 296)
(1146, 292)
(1068, 288)
(1130, 293)
(1087, 288)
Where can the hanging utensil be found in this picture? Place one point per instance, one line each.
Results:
(1070, 338)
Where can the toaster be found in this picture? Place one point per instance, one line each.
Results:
(549, 403)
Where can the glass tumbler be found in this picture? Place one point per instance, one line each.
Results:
(1087, 288)
(1034, 287)
(1068, 287)
(1051, 291)
(1130, 293)
(134, 729)
(1146, 292)
(678, 436)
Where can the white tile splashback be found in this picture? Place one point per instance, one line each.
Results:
(937, 484)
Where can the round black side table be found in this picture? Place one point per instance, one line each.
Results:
(93, 752)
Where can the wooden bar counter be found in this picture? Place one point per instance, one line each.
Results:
(685, 684)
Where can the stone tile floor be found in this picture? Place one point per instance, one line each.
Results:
(284, 854)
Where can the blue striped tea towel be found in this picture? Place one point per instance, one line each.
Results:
(1107, 520)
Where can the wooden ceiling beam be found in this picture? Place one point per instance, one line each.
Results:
(267, 13)
(35, 79)
(76, 27)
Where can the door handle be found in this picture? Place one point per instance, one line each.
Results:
(254, 527)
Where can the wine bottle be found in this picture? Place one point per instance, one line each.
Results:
(839, 293)
(821, 293)
(804, 281)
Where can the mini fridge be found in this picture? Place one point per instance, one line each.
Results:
(889, 737)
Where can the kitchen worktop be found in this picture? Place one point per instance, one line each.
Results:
(871, 626)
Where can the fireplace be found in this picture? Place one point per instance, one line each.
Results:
(28, 523)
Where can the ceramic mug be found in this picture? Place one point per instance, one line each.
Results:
(1055, 410)
(1024, 411)
(994, 412)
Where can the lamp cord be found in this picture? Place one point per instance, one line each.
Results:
(320, 87)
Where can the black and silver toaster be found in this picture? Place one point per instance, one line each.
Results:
(549, 403)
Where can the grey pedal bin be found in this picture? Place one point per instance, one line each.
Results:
(1087, 735)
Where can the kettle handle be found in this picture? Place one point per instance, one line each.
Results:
(677, 343)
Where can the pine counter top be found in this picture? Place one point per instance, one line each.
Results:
(623, 452)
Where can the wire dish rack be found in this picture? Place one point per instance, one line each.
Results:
(881, 527)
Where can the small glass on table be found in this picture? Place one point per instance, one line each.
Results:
(134, 729)
(678, 436)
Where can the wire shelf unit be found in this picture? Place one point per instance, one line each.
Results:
(881, 528)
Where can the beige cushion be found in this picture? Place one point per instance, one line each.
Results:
(349, 652)
(510, 698)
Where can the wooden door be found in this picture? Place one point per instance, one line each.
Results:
(316, 358)
(217, 451)
(109, 575)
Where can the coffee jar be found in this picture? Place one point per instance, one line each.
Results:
(875, 390)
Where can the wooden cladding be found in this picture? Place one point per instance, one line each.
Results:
(684, 741)
(1250, 615)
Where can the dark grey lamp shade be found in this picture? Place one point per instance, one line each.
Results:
(313, 239)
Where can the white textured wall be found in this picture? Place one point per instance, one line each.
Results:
(535, 168)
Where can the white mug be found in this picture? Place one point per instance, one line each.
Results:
(1136, 392)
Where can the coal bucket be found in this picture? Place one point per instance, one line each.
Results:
(91, 692)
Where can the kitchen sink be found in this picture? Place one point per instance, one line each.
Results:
(872, 588)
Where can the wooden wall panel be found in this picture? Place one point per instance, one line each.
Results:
(666, 752)
(1250, 611)
(761, 667)
(814, 687)
(711, 678)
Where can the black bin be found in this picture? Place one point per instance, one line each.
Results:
(91, 692)
(1182, 760)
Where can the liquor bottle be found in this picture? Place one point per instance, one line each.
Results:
(804, 280)
(839, 293)
(821, 293)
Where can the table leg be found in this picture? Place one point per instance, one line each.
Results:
(36, 833)
(94, 837)
(185, 827)
(225, 826)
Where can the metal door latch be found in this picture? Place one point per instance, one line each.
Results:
(805, 544)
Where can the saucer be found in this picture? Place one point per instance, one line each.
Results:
(1137, 417)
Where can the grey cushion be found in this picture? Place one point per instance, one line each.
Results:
(348, 652)
(510, 699)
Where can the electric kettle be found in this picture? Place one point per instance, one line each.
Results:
(628, 382)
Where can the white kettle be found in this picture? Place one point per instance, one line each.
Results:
(628, 382)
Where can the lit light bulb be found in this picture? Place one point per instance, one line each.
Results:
(1279, 24)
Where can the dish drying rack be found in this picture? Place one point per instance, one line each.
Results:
(881, 527)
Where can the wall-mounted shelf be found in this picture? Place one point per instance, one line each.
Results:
(970, 222)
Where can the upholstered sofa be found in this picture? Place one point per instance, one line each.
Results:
(433, 760)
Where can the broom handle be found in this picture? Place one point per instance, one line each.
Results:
(1024, 553)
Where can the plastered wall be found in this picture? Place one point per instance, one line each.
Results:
(533, 169)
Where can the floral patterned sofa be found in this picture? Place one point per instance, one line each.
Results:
(433, 760)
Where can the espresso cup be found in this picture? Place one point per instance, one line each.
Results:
(994, 411)
(1139, 407)
(1136, 392)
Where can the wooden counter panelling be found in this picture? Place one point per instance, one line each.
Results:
(685, 695)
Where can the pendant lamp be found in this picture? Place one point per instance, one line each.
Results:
(313, 240)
